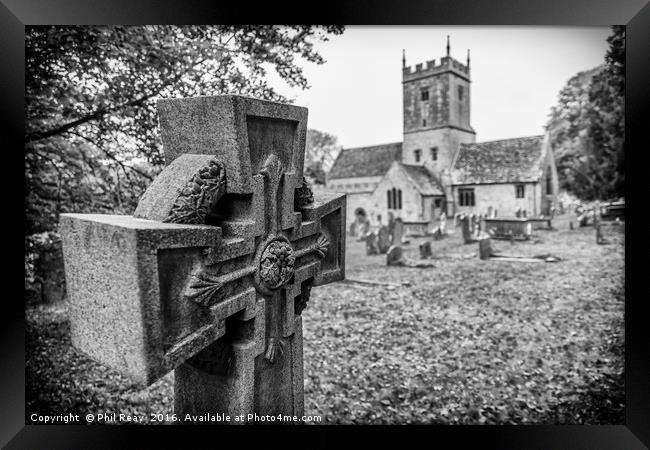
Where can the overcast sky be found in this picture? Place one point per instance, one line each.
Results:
(517, 73)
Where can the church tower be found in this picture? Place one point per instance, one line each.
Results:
(436, 112)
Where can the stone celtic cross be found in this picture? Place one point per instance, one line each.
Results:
(210, 275)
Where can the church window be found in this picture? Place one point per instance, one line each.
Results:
(390, 199)
(417, 154)
(424, 95)
(549, 183)
(520, 190)
(434, 153)
(399, 199)
(466, 197)
(461, 91)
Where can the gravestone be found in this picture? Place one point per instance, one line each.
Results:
(425, 250)
(364, 228)
(466, 224)
(395, 257)
(443, 223)
(371, 243)
(397, 234)
(485, 247)
(209, 277)
(489, 211)
(383, 239)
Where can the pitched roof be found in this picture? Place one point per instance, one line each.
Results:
(365, 161)
(426, 182)
(503, 161)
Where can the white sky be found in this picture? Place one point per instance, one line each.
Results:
(516, 71)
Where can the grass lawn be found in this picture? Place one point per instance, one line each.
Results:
(468, 341)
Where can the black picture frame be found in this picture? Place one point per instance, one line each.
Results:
(635, 14)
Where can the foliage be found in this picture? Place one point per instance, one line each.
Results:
(321, 150)
(587, 127)
(91, 137)
(470, 341)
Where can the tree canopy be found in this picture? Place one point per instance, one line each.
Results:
(587, 127)
(91, 140)
(321, 149)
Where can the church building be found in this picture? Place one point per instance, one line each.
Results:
(439, 166)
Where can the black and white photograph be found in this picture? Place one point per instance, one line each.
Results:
(323, 225)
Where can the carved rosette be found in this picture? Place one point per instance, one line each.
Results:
(276, 264)
(200, 193)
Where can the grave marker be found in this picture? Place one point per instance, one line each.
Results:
(210, 275)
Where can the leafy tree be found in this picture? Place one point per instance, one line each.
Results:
(321, 150)
(587, 127)
(91, 141)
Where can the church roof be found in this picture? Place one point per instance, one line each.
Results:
(365, 161)
(503, 161)
(426, 182)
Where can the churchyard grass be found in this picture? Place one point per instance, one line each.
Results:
(466, 342)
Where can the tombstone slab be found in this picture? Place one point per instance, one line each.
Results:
(425, 250)
(383, 239)
(212, 272)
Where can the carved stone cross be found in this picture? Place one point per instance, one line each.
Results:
(210, 275)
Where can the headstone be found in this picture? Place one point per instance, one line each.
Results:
(485, 248)
(465, 223)
(476, 225)
(437, 234)
(371, 243)
(489, 211)
(443, 223)
(383, 239)
(395, 257)
(425, 250)
(397, 232)
(570, 225)
(210, 276)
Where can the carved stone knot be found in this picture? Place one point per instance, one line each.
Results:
(276, 264)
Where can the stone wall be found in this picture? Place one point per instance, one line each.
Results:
(447, 140)
(412, 201)
(502, 197)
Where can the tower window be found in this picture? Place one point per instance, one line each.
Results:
(466, 197)
(520, 190)
(424, 95)
(434, 153)
(417, 154)
(461, 92)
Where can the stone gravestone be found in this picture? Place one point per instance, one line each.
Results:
(425, 250)
(395, 257)
(443, 224)
(364, 228)
(371, 243)
(397, 235)
(383, 239)
(211, 274)
(465, 223)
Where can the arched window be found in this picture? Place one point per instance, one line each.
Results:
(399, 199)
(390, 198)
(549, 182)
